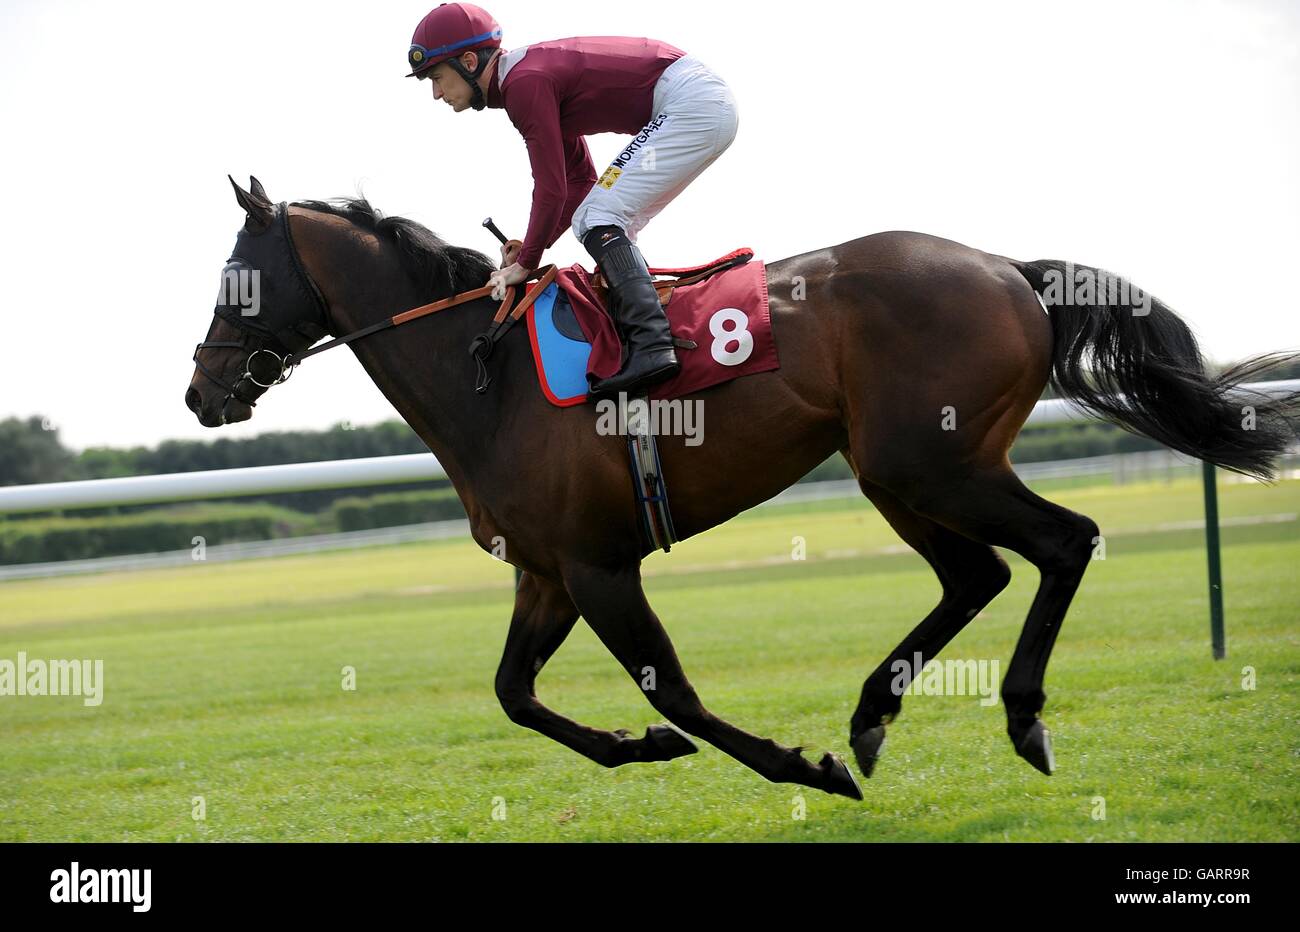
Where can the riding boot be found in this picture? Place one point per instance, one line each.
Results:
(635, 307)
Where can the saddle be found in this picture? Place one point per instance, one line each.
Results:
(565, 320)
(681, 276)
(567, 324)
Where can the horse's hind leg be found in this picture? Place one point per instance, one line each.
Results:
(991, 505)
(614, 605)
(971, 574)
(543, 617)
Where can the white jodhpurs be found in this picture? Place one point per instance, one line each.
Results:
(695, 121)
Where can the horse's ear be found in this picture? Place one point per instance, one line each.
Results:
(259, 209)
(257, 190)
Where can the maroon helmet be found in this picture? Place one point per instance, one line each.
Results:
(449, 30)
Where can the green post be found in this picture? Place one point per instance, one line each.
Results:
(1212, 551)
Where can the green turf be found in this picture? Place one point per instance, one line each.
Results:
(223, 681)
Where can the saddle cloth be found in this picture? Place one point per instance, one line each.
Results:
(723, 320)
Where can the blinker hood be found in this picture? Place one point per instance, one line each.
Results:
(266, 292)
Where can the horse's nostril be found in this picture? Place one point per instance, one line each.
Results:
(192, 400)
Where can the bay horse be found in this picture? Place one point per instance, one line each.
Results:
(915, 357)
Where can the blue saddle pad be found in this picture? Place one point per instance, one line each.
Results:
(558, 350)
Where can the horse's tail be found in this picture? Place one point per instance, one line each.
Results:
(1127, 357)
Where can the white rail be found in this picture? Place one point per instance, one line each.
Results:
(299, 477)
(221, 483)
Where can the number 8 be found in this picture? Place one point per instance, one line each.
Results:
(739, 334)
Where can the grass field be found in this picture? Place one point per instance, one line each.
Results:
(224, 682)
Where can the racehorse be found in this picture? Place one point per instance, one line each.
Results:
(915, 357)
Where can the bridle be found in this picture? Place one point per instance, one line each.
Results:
(232, 390)
(303, 326)
(292, 315)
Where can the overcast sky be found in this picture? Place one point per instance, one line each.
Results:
(1156, 138)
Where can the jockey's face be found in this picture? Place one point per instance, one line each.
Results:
(451, 87)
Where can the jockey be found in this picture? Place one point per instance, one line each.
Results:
(681, 115)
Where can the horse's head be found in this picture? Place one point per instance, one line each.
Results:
(268, 309)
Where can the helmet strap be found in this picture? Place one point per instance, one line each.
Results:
(478, 102)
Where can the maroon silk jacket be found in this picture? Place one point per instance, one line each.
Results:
(561, 91)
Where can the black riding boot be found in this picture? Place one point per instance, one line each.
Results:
(634, 304)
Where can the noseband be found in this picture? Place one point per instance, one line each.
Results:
(232, 391)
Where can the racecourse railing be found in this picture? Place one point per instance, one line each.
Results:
(300, 477)
(1120, 468)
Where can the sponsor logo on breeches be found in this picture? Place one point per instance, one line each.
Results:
(639, 141)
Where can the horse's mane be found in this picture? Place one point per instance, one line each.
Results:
(434, 265)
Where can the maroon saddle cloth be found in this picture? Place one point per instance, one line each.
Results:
(720, 323)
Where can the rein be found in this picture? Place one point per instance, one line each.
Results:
(296, 315)
(480, 348)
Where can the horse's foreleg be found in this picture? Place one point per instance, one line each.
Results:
(971, 574)
(543, 617)
(614, 605)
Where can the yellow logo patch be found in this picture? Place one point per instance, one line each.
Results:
(611, 175)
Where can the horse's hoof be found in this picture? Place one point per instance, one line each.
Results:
(668, 742)
(866, 748)
(1036, 747)
(839, 779)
